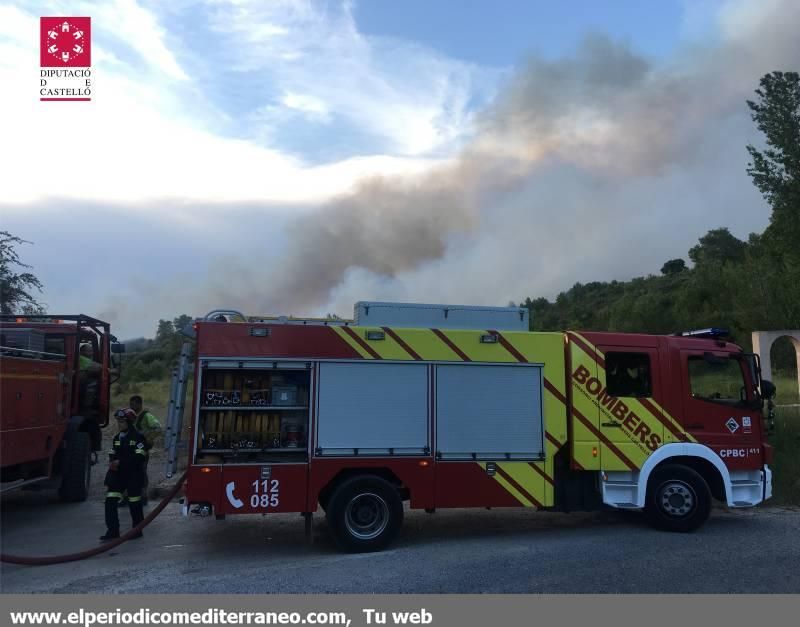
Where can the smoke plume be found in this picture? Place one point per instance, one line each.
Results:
(599, 165)
(581, 166)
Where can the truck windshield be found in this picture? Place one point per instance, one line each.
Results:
(719, 380)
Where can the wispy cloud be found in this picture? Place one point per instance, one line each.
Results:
(309, 105)
(165, 123)
(138, 28)
(411, 99)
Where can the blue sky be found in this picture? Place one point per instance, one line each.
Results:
(506, 32)
(294, 156)
(475, 45)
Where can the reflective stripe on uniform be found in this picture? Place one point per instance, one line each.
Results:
(134, 499)
(113, 495)
(141, 451)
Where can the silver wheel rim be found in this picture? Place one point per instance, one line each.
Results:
(676, 498)
(366, 516)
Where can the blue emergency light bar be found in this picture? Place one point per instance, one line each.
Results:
(710, 332)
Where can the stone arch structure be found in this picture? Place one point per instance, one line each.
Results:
(762, 343)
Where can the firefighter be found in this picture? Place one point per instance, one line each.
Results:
(146, 424)
(86, 359)
(628, 379)
(87, 363)
(125, 473)
(89, 373)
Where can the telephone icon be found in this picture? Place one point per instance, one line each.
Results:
(229, 493)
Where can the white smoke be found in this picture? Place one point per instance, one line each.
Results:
(599, 165)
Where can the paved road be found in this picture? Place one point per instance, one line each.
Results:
(451, 551)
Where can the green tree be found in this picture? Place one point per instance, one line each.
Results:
(16, 287)
(164, 332)
(718, 247)
(673, 266)
(181, 321)
(776, 169)
(152, 360)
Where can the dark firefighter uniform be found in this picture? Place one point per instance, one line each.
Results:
(128, 448)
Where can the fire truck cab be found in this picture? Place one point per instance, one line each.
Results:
(454, 407)
(52, 409)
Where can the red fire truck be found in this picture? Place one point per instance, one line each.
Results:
(51, 409)
(456, 407)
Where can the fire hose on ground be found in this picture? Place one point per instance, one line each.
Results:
(72, 557)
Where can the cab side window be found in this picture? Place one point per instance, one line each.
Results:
(717, 379)
(54, 345)
(628, 374)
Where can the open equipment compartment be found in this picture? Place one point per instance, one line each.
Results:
(253, 412)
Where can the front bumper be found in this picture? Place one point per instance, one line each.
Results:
(767, 482)
(750, 487)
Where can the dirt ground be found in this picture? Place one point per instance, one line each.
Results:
(465, 551)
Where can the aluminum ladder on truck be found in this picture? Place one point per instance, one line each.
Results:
(177, 396)
(177, 401)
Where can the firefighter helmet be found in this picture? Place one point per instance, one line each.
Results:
(126, 414)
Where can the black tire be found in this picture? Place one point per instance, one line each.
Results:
(678, 499)
(77, 468)
(364, 514)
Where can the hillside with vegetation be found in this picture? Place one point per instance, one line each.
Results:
(740, 285)
(149, 361)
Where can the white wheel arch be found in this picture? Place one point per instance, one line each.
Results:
(686, 449)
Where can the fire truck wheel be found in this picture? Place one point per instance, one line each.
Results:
(365, 514)
(77, 468)
(678, 499)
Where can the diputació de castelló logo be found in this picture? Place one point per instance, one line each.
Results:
(65, 57)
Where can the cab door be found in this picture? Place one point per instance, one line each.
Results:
(719, 406)
(613, 425)
(630, 423)
(584, 414)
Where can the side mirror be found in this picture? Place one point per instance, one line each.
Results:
(117, 348)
